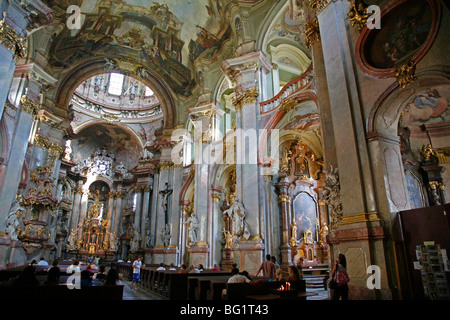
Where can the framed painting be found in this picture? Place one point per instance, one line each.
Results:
(408, 29)
(305, 214)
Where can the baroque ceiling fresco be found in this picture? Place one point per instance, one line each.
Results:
(164, 37)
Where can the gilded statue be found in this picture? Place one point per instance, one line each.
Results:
(293, 239)
(284, 161)
(229, 237)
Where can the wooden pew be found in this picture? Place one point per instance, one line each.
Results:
(204, 285)
(193, 281)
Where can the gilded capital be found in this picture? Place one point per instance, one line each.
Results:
(30, 106)
(245, 97)
(12, 41)
(284, 198)
(312, 33)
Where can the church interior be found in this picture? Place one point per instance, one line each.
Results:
(215, 133)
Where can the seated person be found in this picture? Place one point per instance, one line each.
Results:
(161, 266)
(74, 267)
(236, 278)
(294, 274)
(183, 269)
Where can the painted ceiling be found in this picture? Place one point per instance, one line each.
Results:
(166, 37)
(107, 137)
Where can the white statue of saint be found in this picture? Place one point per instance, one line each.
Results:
(193, 225)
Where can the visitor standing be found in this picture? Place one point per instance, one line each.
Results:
(137, 264)
(268, 268)
(339, 274)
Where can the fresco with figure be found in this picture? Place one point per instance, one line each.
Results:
(404, 31)
(428, 106)
(110, 138)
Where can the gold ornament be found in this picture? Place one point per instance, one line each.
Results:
(405, 73)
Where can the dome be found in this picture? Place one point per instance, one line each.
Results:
(117, 95)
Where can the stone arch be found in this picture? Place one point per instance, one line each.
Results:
(96, 66)
(383, 139)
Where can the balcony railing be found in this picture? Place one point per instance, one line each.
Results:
(292, 87)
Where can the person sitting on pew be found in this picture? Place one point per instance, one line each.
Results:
(42, 262)
(246, 274)
(172, 267)
(194, 269)
(200, 267)
(238, 278)
(112, 278)
(100, 275)
(183, 269)
(161, 266)
(279, 275)
(235, 278)
(74, 267)
(86, 279)
(294, 274)
(53, 274)
(26, 278)
(215, 268)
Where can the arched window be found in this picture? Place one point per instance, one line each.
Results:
(115, 84)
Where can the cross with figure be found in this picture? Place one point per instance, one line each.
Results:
(165, 195)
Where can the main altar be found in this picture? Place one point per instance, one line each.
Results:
(92, 237)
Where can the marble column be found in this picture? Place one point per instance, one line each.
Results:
(118, 210)
(145, 213)
(203, 116)
(83, 211)
(348, 121)
(75, 215)
(245, 70)
(360, 234)
(138, 211)
(154, 210)
(284, 201)
(109, 214)
(176, 213)
(215, 226)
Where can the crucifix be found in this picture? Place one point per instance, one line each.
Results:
(165, 195)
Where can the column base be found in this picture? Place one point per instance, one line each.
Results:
(160, 254)
(249, 254)
(199, 254)
(227, 259)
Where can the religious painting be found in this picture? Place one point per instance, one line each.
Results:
(304, 122)
(416, 197)
(305, 214)
(408, 29)
(429, 105)
(403, 32)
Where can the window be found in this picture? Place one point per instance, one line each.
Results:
(115, 84)
(148, 91)
(134, 202)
